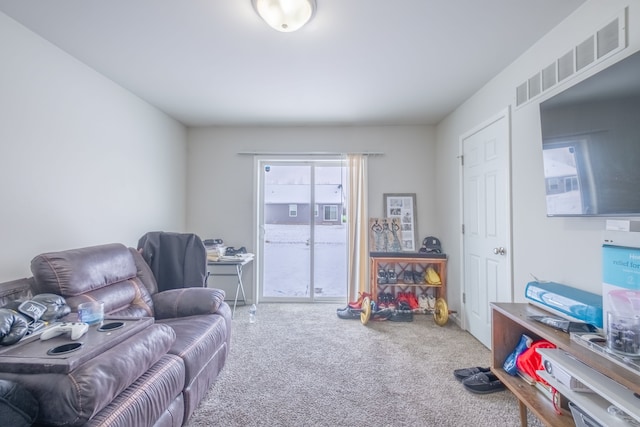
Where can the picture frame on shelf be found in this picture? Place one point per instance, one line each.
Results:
(385, 235)
(402, 208)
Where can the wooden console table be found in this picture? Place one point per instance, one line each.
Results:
(509, 322)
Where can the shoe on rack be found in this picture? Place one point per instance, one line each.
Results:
(418, 277)
(382, 302)
(383, 279)
(431, 302)
(392, 278)
(432, 277)
(403, 306)
(464, 373)
(358, 304)
(391, 301)
(348, 313)
(423, 303)
(483, 383)
(402, 297)
(407, 277)
(412, 300)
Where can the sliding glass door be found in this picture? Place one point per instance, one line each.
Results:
(302, 230)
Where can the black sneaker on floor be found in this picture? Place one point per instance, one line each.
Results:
(348, 313)
(483, 383)
(401, 316)
(463, 373)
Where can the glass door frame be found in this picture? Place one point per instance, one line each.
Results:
(259, 164)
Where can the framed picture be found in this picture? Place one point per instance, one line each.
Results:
(385, 235)
(402, 207)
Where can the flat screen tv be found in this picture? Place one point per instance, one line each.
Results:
(591, 144)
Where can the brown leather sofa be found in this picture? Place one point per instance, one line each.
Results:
(155, 377)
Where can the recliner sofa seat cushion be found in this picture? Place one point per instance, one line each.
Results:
(197, 340)
(203, 344)
(195, 391)
(72, 399)
(173, 416)
(156, 395)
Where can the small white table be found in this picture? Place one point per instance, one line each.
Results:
(222, 264)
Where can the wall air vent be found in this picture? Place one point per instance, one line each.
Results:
(565, 66)
(522, 94)
(534, 86)
(585, 53)
(608, 40)
(549, 76)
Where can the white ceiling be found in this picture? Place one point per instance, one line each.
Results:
(215, 62)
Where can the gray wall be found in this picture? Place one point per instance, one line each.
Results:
(221, 181)
(82, 161)
(565, 250)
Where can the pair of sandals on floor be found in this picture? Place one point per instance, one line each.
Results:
(478, 380)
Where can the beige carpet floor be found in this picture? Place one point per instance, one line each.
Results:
(300, 365)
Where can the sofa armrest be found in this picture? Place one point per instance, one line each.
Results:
(184, 302)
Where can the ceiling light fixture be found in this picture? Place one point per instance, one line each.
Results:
(285, 15)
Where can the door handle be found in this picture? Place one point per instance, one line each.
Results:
(499, 251)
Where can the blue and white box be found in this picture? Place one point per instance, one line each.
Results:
(620, 284)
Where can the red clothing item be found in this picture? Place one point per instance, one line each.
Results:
(530, 360)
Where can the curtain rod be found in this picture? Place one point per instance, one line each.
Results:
(304, 153)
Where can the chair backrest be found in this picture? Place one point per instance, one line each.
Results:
(113, 274)
(19, 289)
(177, 260)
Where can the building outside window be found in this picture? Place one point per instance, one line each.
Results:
(330, 212)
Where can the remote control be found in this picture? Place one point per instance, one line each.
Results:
(77, 330)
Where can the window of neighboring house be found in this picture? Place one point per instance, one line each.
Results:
(316, 210)
(293, 210)
(331, 213)
(571, 184)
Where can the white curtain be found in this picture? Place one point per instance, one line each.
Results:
(358, 241)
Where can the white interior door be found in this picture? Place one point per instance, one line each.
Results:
(486, 219)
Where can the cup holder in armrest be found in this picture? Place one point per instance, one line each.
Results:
(64, 348)
(111, 326)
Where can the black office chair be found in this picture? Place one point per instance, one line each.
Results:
(177, 260)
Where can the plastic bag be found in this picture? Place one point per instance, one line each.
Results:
(510, 362)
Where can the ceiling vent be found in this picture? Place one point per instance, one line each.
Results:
(610, 39)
